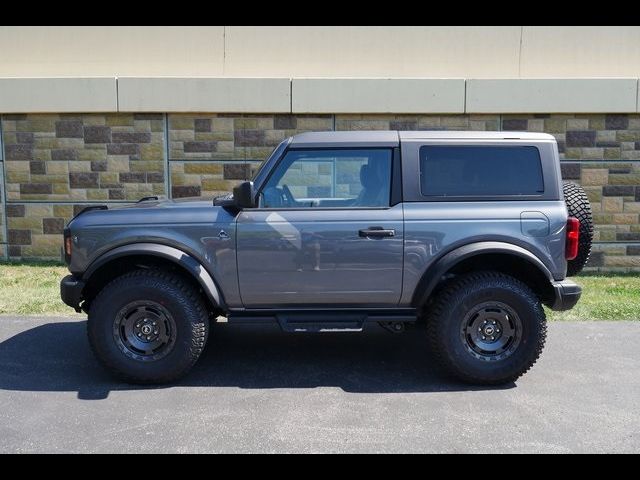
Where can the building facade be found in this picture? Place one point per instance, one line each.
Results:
(112, 114)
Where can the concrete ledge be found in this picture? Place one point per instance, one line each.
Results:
(57, 95)
(237, 95)
(355, 95)
(318, 95)
(580, 95)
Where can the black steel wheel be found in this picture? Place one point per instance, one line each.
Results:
(144, 330)
(148, 326)
(486, 328)
(491, 331)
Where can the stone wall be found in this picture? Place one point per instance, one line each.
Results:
(210, 153)
(55, 164)
(3, 220)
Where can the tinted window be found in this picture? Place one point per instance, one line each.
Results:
(330, 178)
(480, 171)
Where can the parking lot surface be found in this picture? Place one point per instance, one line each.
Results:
(256, 389)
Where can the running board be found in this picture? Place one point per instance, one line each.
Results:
(318, 322)
(321, 322)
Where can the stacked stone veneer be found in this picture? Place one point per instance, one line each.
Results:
(3, 221)
(210, 153)
(54, 164)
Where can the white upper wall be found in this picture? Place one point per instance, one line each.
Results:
(361, 51)
(440, 52)
(565, 52)
(318, 69)
(76, 51)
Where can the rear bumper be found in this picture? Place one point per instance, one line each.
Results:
(71, 291)
(567, 295)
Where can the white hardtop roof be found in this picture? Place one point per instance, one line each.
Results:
(393, 137)
(462, 134)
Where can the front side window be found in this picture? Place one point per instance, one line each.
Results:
(480, 171)
(330, 178)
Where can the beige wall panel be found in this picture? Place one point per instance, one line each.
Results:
(238, 95)
(372, 51)
(110, 51)
(317, 51)
(57, 95)
(552, 95)
(350, 95)
(580, 52)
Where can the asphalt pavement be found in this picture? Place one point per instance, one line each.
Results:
(256, 389)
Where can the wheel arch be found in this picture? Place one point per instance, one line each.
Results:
(492, 255)
(125, 258)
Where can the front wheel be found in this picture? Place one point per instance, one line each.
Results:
(487, 328)
(148, 326)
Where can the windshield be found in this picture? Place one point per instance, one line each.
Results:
(274, 154)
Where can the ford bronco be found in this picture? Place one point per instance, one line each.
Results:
(468, 232)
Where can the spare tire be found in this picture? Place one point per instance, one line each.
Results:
(579, 207)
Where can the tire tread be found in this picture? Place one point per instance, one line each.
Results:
(579, 207)
(158, 279)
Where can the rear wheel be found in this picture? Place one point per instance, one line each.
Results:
(148, 326)
(579, 207)
(487, 328)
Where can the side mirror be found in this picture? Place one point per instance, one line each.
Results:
(244, 195)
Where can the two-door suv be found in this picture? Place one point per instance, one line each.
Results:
(469, 232)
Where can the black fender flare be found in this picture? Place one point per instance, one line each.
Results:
(434, 273)
(193, 266)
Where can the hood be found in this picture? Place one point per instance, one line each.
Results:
(156, 212)
(153, 202)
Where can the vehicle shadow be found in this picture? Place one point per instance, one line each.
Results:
(56, 357)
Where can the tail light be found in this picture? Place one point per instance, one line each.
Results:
(573, 237)
(68, 245)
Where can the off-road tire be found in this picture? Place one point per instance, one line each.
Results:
(579, 207)
(179, 299)
(447, 320)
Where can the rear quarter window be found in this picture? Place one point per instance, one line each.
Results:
(480, 171)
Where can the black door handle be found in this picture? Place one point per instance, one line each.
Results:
(376, 232)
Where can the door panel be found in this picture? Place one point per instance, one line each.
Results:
(310, 257)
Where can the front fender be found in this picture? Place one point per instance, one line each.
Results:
(193, 266)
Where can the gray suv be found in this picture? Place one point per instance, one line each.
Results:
(468, 232)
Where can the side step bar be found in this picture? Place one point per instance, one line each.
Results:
(320, 322)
